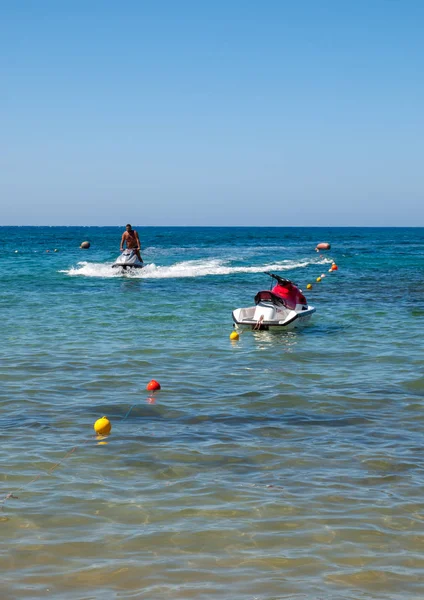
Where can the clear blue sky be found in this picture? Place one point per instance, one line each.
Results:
(233, 112)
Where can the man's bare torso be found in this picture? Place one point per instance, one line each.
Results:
(131, 238)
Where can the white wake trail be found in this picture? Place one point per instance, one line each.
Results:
(190, 268)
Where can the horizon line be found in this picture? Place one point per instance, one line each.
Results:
(236, 226)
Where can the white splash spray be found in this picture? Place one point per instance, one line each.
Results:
(189, 268)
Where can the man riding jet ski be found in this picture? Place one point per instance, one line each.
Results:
(130, 257)
(282, 307)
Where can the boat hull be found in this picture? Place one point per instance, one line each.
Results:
(287, 322)
(127, 266)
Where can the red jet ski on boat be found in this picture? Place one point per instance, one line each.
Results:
(282, 307)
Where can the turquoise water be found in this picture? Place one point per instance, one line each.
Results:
(284, 465)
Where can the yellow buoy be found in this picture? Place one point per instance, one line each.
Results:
(318, 279)
(309, 286)
(102, 426)
(234, 335)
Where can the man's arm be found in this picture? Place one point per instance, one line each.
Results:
(122, 241)
(138, 241)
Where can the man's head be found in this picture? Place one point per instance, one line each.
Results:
(128, 227)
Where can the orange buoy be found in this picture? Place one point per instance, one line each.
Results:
(153, 386)
(323, 246)
(85, 245)
(334, 267)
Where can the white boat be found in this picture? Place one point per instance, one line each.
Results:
(283, 307)
(128, 259)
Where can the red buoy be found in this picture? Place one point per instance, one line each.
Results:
(334, 267)
(153, 386)
(323, 246)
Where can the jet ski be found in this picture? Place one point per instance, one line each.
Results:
(128, 260)
(282, 307)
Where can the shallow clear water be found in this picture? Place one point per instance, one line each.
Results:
(283, 465)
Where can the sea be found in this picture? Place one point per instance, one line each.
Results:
(280, 465)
